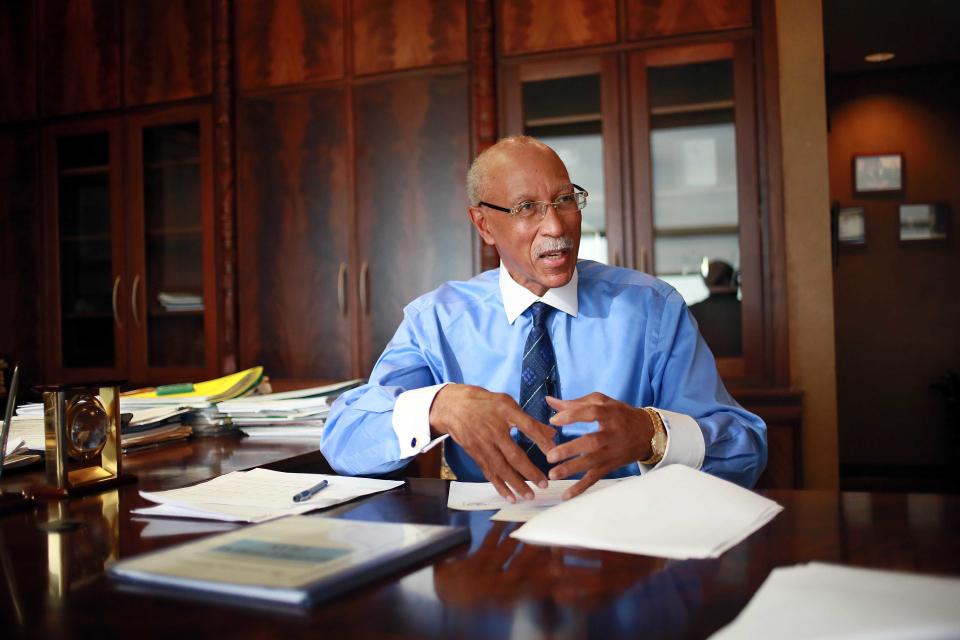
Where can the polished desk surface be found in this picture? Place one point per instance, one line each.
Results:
(53, 584)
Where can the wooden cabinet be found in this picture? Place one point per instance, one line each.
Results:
(413, 232)
(80, 46)
(294, 235)
(131, 286)
(338, 234)
(664, 140)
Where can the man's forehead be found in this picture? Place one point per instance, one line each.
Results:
(517, 170)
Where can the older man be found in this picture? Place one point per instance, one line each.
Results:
(545, 367)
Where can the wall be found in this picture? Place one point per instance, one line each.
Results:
(897, 306)
(807, 233)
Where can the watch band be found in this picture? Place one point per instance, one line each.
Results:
(658, 440)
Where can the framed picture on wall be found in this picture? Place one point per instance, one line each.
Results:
(882, 173)
(923, 222)
(851, 227)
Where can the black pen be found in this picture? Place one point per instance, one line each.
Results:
(306, 494)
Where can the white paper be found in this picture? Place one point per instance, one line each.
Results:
(13, 444)
(258, 495)
(28, 429)
(673, 512)
(819, 600)
(161, 527)
(481, 496)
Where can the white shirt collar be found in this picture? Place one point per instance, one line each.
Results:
(517, 298)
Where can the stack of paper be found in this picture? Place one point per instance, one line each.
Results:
(198, 395)
(481, 496)
(145, 427)
(673, 512)
(285, 414)
(820, 600)
(17, 453)
(258, 495)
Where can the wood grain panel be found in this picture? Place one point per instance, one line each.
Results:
(79, 56)
(18, 60)
(541, 25)
(658, 18)
(283, 42)
(412, 139)
(20, 250)
(293, 233)
(401, 34)
(167, 50)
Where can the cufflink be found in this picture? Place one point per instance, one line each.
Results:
(413, 443)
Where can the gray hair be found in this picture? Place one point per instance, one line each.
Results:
(477, 175)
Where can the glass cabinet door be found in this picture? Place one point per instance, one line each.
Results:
(698, 135)
(169, 292)
(572, 106)
(89, 267)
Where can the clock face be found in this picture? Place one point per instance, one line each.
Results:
(87, 426)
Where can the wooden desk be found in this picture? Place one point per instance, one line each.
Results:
(53, 584)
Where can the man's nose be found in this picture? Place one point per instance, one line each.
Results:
(551, 221)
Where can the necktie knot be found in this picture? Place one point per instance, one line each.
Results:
(539, 312)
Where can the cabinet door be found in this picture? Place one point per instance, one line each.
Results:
(86, 319)
(695, 182)
(171, 276)
(294, 228)
(413, 231)
(573, 106)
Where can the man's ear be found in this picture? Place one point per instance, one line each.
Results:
(479, 219)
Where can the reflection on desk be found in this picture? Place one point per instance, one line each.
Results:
(496, 588)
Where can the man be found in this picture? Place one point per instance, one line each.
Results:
(639, 387)
(718, 317)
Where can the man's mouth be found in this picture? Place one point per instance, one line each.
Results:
(555, 249)
(553, 255)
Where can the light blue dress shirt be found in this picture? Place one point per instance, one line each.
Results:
(632, 339)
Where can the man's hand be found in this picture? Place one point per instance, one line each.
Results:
(623, 437)
(480, 421)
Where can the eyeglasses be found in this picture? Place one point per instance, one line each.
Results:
(565, 204)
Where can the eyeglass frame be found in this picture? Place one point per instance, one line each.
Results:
(579, 194)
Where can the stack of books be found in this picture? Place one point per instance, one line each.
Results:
(180, 301)
(148, 416)
(299, 413)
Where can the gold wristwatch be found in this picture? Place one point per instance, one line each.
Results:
(658, 441)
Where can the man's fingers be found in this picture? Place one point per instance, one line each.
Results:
(584, 483)
(502, 488)
(577, 446)
(573, 467)
(517, 458)
(540, 433)
(577, 411)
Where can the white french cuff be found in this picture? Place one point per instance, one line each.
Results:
(411, 420)
(685, 444)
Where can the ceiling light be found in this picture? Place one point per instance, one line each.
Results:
(882, 56)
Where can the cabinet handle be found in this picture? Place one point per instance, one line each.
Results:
(133, 299)
(116, 291)
(342, 288)
(643, 259)
(364, 274)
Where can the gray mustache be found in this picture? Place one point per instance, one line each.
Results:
(550, 245)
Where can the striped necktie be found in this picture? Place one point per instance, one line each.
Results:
(538, 379)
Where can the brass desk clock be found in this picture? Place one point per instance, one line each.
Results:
(81, 425)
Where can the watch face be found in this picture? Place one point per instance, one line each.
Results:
(87, 426)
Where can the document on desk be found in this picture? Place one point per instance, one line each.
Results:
(819, 600)
(481, 496)
(258, 495)
(295, 561)
(673, 512)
